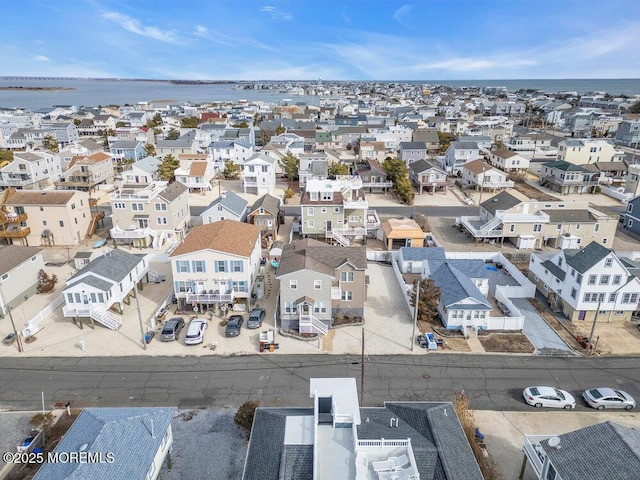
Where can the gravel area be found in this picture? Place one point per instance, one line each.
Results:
(539, 333)
(206, 445)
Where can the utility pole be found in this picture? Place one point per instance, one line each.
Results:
(415, 314)
(20, 349)
(362, 370)
(135, 289)
(593, 328)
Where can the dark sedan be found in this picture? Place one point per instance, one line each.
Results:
(233, 325)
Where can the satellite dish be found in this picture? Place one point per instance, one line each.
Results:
(554, 442)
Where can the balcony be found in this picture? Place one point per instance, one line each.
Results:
(359, 203)
(14, 217)
(15, 232)
(377, 184)
(214, 296)
(539, 217)
(373, 221)
(16, 181)
(117, 232)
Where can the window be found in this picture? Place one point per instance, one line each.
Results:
(313, 196)
(182, 286)
(198, 266)
(616, 279)
(33, 259)
(630, 298)
(61, 223)
(162, 220)
(182, 266)
(237, 265)
(592, 280)
(326, 196)
(596, 227)
(289, 307)
(346, 296)
(573, 293)
(73, 206)
(336, 209)
(608, 262)
(354, 218)
(573, 272)
(323, 210)
(346, 276)
(161, 207)
(579, 278)
(577, 226)
(293, 284)
(612, 297)
(537, 227)
(220, 265)
(44, 222)
(310, 224)
(310, 211)
(320, 307)
(69, 298)
(119, 206)
(100, 297)
(137, 207)
(604, 279)
(317, 284)
(512, 228)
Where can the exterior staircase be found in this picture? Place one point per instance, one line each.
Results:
(338, 237)
(491, 224)
(105, 317)
(314, 323)
(95, 218)
(155, 277)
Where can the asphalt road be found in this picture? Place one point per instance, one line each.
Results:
(492, 382)
(403, 210)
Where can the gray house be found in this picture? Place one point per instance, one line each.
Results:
(265, 213)
(410, 152)
(373, 175)
(631, 218)
(229, 206)
(312, 165)
(319, 282)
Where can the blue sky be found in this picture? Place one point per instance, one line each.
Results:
(304, 39)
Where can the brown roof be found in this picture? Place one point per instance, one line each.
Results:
(198, 169)
(402, 228)
(376, 145)
(504, 153)
(477, 166)
(192, 156)
(173, 191)
(95, 158)
(13, 255)
(319, 257)
(49, 197)
(337, 199)
(225, 236)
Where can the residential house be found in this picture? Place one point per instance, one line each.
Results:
(19, 267)
(430, 137)
(312, 165)
(47, 218)
(628, 133)
(87, 172)
(228, 206)
(373, 150)
(104, 123)
(402, 232)
(265, 213)
(373, 175)
(137, 119)
(119, 443)
(337, 210)
(27, 139)
(176, 147)
(31, 171)
(632, 182)
(106, 283)
(533, 224)
(259, 175)
(604, 450)
(150, 215)
(586, 284)
(508, 160)
(424, 174)
(318, 283)
(338, 438)
(142, 172)
(457, 155)
(589, 150)
(196, 172)
(631, 217)
(225, 150)
(484, 142)
(127, 149)
(65, 133)
(410, 152)
(565, 177)
(480, 175)
(508, 108)
(216, 264)
(537, 143)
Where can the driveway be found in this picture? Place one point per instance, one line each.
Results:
(539, 333)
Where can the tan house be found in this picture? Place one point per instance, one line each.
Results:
(216, 264)
(265, 213)
(320, 283)
(508, 160)
(480, 175)
(150, 215)
(47, 218)
(19, 267)
(402, 232)
(87, 172)
(195, 171)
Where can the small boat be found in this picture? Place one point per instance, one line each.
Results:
(100, 243)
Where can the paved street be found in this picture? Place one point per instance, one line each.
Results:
(492, 382)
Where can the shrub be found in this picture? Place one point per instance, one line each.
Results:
(244, 416)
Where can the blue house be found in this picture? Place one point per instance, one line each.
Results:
(121, 149)
(631, 218)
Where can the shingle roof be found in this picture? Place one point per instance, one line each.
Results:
(231, 201)
(227, 236)
(564, 166)
(319, 257)
(422, 253)
(502, 201)
(173, 191)
(562, 215)
(504, 153)
(126, 432)
(148, 164)
(413, 146)
(49, 197)
(585, 258)
(268, 202)
(464, 145)
(555, 270)
(13, 255)
(197, 169)
(605, 450)
(477, 166)
(455, 286)
(420, 166)
(114, 265)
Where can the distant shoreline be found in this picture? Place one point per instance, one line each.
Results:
(44, 89)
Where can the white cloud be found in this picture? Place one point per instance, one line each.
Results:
(204, 32)
(276, 14)
(400, 14)
(41, 58)
(473, 64)
(134, 26)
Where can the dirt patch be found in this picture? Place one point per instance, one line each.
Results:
(532, 192)
(512, 342)
(327, 341)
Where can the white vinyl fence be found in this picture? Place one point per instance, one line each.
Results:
(33, 325)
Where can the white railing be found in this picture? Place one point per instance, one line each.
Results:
(14, 181)
(342, 418)
(215, 297)
(539, 217)
(377, 184)
(486, 230)
(134, 196)
(383, 443)
(348, 181)
(33, 325)
(313, 322)
(98, 313)
(117, 232)
(250, 183)
(356, 231)
(155, 276)
(534, 452)
(342, 240)
(361, 203)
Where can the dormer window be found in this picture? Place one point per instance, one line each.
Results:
(313, 196)
(327, 196)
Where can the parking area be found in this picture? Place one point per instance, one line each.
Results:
(15, 428)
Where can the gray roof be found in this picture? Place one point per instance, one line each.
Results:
(319, 257)
(464, 145)
(231, 201)
(563, 215)
(13, 255)
(422, 253)
(126, 432)
(114, 265)
(502, 201)
(179, 143)
(584, 259)
(605, 450)
(148, 164)
(555, 270)
(124, 144)
(413, 146)
(455, 286)
(270, 203)
(173, 191)
(420, 166)
(633, 267)
(564, 166)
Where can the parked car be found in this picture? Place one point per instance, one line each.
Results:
(195, 331)
(604, 397)
(548, 397)
(172, 329)
(255, 318)
(233, 325)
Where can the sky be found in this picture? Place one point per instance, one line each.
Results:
(329, 40)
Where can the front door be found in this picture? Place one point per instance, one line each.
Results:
(143, 223)
(328, 226)
(582, 314)
(199, 287)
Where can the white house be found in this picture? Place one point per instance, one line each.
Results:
(195, 171)
(479, 175)
(586, 283)
(105, 283)
(19, 267)
(259, 175)
(229, 206)
(31, 171)
(217, 264)
(458, 154)
(508, 160)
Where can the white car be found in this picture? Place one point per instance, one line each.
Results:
(548, 397)
(195, 331)
(601, 398)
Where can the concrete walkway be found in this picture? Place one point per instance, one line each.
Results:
(540, 334)
(475, 345)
